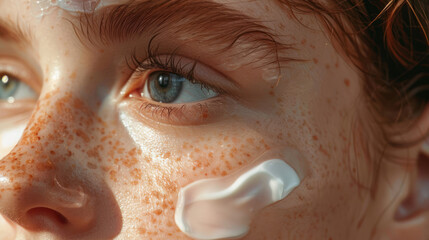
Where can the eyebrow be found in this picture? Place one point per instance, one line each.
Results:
(14, 32)
(210, 23)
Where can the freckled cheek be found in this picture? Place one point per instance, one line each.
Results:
(215, 156)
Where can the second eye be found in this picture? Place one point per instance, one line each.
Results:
(167, 87)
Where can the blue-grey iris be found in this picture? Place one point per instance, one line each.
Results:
(165, 87)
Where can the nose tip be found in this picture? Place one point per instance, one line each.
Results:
(50, 206)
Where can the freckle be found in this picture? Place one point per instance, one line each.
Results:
(223, 173)
(91, 165)
(16, 186)
(327, 66)
(303, 41)
(347, 82)
(166, 155)
(322, 150)
(142, 230)
(315, 138)
(337, 64)
(113, 175)
(312, 46)
(73, 75)
(101, 50)
(52, 27)
(271, 93)
(315, 60)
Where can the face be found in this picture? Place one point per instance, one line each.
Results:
(102, 124)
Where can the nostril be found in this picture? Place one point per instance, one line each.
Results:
(44, 215)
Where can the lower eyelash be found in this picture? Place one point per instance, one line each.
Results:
(160, 111)
(183, 114)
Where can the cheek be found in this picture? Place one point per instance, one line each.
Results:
(173, 157)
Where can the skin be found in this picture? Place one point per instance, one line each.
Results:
(115, 172)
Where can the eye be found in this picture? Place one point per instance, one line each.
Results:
(12, 89)
(168, 87)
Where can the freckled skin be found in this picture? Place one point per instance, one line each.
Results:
(132, 171)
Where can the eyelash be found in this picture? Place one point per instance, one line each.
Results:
(169, 63)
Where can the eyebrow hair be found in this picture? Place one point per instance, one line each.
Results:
(204, 21)
(14, 32)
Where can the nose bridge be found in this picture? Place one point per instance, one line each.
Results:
(59, 125)
(58, 119)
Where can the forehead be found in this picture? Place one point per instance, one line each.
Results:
(230, 19)
(34, 9)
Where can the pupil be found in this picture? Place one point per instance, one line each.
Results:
(164, 80)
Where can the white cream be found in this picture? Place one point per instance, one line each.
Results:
(43, 7)
(224, 207)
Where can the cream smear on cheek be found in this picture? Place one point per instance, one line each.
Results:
(224, 207)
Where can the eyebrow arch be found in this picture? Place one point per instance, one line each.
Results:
(204, 21)
(14, 32)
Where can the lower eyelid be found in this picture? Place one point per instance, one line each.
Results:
(17, 109)
(178, 114)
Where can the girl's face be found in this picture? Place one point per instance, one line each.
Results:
(105, 117)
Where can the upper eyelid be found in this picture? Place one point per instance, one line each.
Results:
(201, 73)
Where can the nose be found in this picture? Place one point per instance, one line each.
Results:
(46, 186)
(47, 205)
